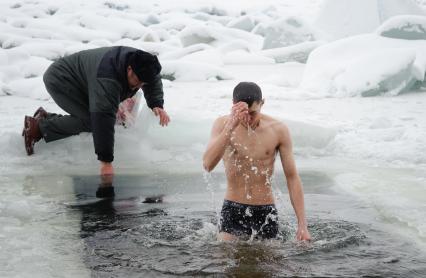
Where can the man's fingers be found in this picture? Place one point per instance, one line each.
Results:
(161, 119)
(239, 110)
(242, 105)
(164, 118)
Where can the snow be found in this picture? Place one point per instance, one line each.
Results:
(192, 71)
(208, 56)
(284, 32)
(407, 27)
(216, 35)
(245, 57)
(294, 53)
(29, 87)
(394, 75)
(206, 47)
(365, 65)
(343, 18)
(245, 23)
(2, 91)
(176, 54)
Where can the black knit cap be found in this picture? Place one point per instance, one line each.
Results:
(145, 65)
(247, 92)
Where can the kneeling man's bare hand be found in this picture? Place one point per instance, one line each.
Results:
(106, 169)
(164, 117)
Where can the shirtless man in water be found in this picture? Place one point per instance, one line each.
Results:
(248, 142)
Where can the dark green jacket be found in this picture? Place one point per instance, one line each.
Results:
(101, 73)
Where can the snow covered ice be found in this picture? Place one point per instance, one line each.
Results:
(407, 27)
(343, 18)
(365, 65)
(285, 32)
(346, 76)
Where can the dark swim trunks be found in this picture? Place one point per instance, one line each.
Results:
(241, 219)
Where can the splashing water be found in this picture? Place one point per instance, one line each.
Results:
(124, 237)
(210, 188)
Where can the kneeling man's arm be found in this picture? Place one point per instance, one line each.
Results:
(219, 140)
(294, 183)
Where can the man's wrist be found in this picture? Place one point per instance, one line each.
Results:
(303, 224)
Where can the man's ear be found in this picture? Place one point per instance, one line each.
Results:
(262, 102)
(233, 101)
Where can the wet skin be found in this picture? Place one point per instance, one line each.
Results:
(248, 142)
(249, 163)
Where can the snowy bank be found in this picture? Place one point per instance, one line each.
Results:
(285, 32)
(344, 18)
(365, 65)
(404, 27)
(192, 71)
(216, 35)
(294, 53)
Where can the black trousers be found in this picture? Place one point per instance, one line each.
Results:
(69, 95)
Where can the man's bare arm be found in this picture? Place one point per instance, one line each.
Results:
(294, 183)
(219, 140)
(221, 135)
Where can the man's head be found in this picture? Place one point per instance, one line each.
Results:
(143, 67)
(250, 93)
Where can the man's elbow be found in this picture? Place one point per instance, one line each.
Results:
(208, 166)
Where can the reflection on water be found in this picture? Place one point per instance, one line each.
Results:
(126, 236)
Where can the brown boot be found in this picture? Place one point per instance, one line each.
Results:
(40, 113)
(31, 133)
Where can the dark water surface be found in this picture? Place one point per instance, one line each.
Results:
(165, 226)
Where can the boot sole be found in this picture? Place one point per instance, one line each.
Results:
(29, 143)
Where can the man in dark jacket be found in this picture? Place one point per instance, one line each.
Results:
(90, 85)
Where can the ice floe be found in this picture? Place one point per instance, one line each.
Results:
(407, 27)
(284, 32)
(217, 35)
(344, 18)
(294, 53)
(365, 65)
(192, 71)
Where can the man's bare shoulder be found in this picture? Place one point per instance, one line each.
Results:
(221, 121)
(279, 127)
(219, 124)
(273, 122)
